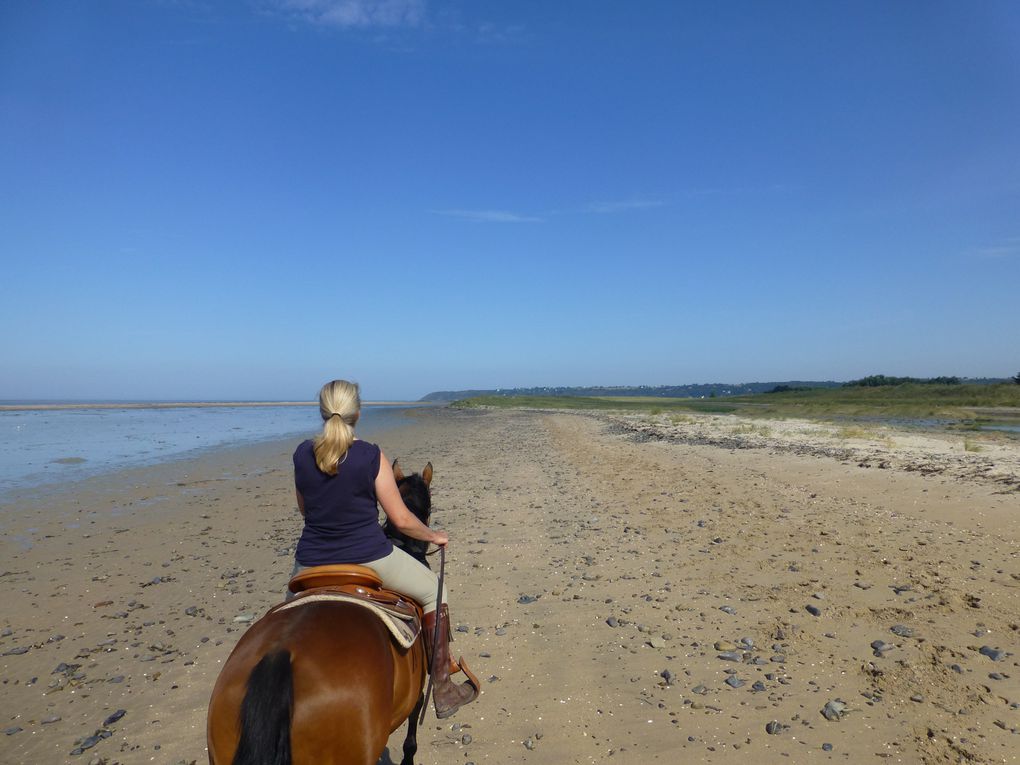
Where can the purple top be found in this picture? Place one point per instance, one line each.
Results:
(341, 511)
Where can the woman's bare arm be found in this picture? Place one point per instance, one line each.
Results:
(393, 505)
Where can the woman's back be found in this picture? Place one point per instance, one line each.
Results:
(341, 511)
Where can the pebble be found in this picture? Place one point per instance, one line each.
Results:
(992, 653)
(88, 743)
(244, 618)
(734, 682)
(902, 630)
(731, 656)
(12, 730)
(826, 747)
(114, 717)
(526, 599)
(668, 676)
(813, 610)
(18, 651)
(728, 610)
(612, 622)
(773, 728)
(834, 710)
(466, 739)
(49, 719)
(880, 647)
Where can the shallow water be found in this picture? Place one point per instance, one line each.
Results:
(42, 447)
(1002, 427)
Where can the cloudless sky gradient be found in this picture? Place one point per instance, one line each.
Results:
(241, 200)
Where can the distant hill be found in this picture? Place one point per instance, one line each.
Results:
(697, 390)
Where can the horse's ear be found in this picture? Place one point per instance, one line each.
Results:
(426, 474)
(398, 474)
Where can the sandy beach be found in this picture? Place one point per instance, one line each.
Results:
(631, 589)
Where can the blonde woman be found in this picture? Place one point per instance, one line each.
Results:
(340, 482)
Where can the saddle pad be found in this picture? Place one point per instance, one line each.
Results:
(404, 628)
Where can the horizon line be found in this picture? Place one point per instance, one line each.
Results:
(42, 405)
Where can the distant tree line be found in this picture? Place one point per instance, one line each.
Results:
(788, 388)
(878, 381)
(694, 390)
(711, 390)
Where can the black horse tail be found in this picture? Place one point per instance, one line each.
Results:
(266, 712)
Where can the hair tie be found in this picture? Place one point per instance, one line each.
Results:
(335, 414)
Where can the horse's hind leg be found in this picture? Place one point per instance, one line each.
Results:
(411, 740)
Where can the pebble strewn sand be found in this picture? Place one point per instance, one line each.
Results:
(632, 589)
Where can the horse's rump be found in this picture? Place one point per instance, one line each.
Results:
(355, 683)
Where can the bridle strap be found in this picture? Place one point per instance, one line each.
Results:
(435, 635)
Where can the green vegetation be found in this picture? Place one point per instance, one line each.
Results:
(878, 381)
(960, 403)
(622, 403)
(908, 400)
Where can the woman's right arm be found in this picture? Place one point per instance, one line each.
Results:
(393, 505)
(300, 502)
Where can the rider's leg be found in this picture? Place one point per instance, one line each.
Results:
(400, 572)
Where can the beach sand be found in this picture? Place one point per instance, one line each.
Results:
(609, 576)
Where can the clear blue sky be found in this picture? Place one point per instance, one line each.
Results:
(243, 200)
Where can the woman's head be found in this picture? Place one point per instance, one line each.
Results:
(340, 406)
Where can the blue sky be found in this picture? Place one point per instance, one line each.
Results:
(243, 200)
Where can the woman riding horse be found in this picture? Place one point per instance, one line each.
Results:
(339, 479)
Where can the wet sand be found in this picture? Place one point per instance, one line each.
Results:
(631, 589)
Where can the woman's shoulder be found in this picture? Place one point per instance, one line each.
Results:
(365, 447)
(304, 448)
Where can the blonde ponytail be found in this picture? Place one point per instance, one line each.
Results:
(339, 406)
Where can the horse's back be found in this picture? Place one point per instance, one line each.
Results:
(352, 684)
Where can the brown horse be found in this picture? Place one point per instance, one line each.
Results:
(320, 684)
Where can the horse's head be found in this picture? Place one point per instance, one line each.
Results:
(414, 490)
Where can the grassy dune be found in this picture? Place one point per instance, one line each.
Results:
(959, 403)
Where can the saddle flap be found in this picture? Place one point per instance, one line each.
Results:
(401, 618)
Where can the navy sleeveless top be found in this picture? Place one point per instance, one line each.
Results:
(341, 511)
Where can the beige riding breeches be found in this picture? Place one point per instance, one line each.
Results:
(400, 572)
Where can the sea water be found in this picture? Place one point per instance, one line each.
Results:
(44, 446)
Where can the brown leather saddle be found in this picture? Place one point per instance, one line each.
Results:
(358, 582)
(363, 583)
